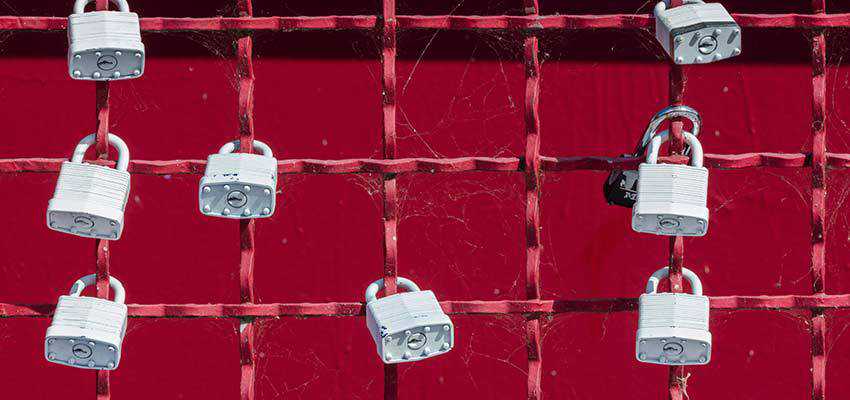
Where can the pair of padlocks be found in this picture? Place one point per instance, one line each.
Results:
(90, 199)
(666, 199)
(87, 332)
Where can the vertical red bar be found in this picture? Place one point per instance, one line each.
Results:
(102, 246)
(677, 381)
(818, 203)
(389, 191)
(245, 86)
(531, 164)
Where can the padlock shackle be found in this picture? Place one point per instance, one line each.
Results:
(663, 273)
(230, 147)
(88, 280)
(115, 141)
(668, 113)
(663, 4)
(691, 139)
(375, 287)
(80, 5)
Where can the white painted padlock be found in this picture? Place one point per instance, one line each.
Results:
(87, 332)
(672, 198)
(697, 32)
(239, 185)
(89, 200)
(673, 327)
(407, 326)
(105, 45)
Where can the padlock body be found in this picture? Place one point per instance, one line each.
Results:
(89, 201)
(238, 186)
(409, 326)
(698, 33)
(105, 45)
(621, 188)
(673, 329)
(86, 332)
(671, 200)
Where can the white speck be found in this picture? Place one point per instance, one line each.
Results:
(204, 97)
(324, 142)
(717, 133)
(441, 380)
(751, 353)
(137, 199)
(496, 291)
(394, 238)
(191, 69)
(284, 241)
(707, 269)
(726, 89)
(553, 373)
(167, 177)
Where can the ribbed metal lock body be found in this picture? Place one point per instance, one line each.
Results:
(408, 326)
(673, 327)
(697, 32)
(105, 45)
(89, 199)
(239, 185)
(87, 332)
(671, 198)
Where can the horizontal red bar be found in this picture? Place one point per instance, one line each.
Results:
(451, 22)
(452, 307)
(433, 165)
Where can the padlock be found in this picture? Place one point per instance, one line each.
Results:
(89, 200)
(87, 332)
(697, 32)
(105, 45)
(408, 326)
(621, 186)
(239, 185)
(672, 198)
(673, 327)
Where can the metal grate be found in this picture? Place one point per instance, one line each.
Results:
(531, 164)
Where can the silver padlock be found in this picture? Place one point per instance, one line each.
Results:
(407, 326)
(87, 332)
(89, 200)
(239, 185)
(672, 198)
(673, 327)
(105, 45)
(697, 32)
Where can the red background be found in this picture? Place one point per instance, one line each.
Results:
(460, 93)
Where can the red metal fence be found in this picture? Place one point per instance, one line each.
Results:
(535, 308)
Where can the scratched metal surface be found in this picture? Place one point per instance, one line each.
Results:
(459, 144)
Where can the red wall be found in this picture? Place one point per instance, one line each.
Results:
(460, 234)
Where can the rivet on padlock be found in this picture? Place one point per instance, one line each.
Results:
(672, 198)
(105, 45)
(621, 186)
(673, 327)
(87, 332)
(697, 32)
(89, 199)
(239, 185)
(408, 326)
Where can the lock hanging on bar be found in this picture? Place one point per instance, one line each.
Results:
(673, 327)
(105, 45)
(89, 200)
(671, 199)
(697, 32)
(87, 332)
(621, 186)
(407, 326)
(239, 185)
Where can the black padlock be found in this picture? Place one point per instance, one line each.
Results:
(621, 186)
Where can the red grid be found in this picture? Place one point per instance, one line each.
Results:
(531, 164)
